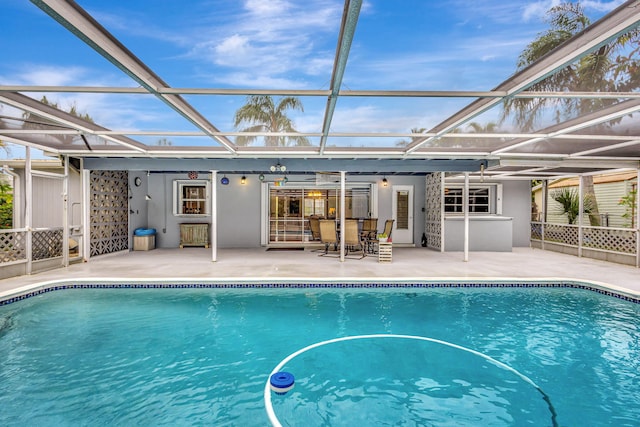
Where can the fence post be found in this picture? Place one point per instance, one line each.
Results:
(637, 219)
(545, 190)
(580, 213)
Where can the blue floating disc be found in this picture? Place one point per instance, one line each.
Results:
(281, 382)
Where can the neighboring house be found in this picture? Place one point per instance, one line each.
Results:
(609, 189)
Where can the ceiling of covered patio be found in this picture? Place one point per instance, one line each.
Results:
(375, 99)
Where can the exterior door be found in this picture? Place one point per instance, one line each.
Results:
(402, 214)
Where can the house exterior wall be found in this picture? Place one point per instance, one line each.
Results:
(608, 195)
(239, 207)
(516, 203)
(500, 232)
(48, 209)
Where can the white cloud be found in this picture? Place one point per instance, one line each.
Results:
(270, 40)
(539, 9)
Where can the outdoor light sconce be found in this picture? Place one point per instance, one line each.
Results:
(243, 180)
(278, 168)
(385, 183)
(261, 177)
(224, 180)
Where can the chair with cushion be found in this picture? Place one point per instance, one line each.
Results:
(388, 228)
(369, 231)
(328, 234)
(314, 225)
(353, 241)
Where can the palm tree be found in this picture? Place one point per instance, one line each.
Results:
(262, 114)
(404, 143)
(570, 203)
(605, 69)
(33, 121)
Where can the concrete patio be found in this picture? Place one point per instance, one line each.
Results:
(297, 265)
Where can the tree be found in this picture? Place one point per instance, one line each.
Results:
(404, 143)
(629, 203)
(612, 67)
(164, 142)
(262, 114)
(32, 121)
(570, 203)
(6, 206)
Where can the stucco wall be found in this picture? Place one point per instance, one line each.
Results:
(516, 203)
(238, 207)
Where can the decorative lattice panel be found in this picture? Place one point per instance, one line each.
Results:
(46, 244)
(561, 233)
(536, 231)
(433, 210)
(13, 246)
(610, 239)
(109, 215)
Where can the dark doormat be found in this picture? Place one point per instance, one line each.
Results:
(286, 249)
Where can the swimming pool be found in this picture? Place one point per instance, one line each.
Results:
(202, 356)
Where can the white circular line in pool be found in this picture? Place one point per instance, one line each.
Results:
(268, 390)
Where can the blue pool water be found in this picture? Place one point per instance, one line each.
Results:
(203, 357)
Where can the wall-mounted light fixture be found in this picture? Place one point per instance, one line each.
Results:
(261, 177)
(385, 183)
(278, 168)
(243, 180)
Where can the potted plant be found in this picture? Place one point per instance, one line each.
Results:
(382, 237)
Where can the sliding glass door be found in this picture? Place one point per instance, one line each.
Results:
(290, 209)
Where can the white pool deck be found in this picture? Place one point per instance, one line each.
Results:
(305, 266)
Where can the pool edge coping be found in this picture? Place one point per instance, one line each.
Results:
(33, 289)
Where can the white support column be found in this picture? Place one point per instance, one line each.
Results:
(545, 193)
(442, 236)
(86, 214)
(65, 213)
(28, 210)
(580, 210)
(343, 187)
(214, 216)
(465, 208)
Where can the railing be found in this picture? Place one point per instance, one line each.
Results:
(610, 240)
(13, 245)
(46, 244)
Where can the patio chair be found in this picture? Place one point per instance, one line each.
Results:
(328, 234)
(369, 231)
(352, 238)
(388, 228)
(314, 225)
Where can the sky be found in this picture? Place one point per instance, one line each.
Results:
(277, 44)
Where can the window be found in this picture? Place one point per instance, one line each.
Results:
(191, 197)
(482, 199)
